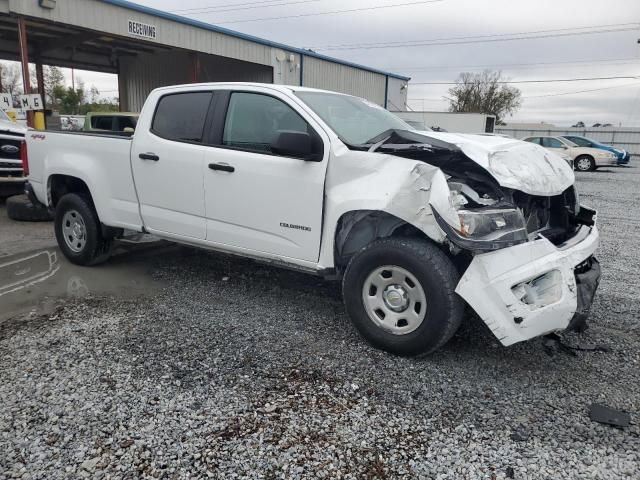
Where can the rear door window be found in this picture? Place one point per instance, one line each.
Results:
(535, 140)
(181, 116)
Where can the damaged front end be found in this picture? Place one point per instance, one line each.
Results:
(514, 222)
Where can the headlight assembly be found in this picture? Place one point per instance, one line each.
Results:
(491, 225)
(486, 229)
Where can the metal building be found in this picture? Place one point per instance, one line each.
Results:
(149, 48)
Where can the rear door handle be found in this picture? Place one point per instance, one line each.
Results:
(222, 167)
(149, 156)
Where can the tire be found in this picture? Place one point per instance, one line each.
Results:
(412, 261)
(20, 208)
(585, 163)
(79, 232)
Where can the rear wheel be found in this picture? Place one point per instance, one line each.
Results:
(79, 232)
(400, 295)
(585, 163)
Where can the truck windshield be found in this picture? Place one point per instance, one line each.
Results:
(354, 120)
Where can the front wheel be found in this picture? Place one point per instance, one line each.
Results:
(79, 232)
(585, 163)
(400, 295)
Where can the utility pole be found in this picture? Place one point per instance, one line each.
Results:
(24, 58)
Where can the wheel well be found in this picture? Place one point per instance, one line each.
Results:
(357, 229)
(60, 185)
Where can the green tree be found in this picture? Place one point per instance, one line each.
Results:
(484, 92)
(68, 99)
(53, 79)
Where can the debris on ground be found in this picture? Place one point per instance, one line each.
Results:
(603, 414)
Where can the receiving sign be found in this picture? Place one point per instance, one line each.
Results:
(30, 102)
(140, 29)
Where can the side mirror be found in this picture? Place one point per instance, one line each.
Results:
(294, 144)
(565, 147)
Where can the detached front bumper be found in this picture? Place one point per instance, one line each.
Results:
(534, 288)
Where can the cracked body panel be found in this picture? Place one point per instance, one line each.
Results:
(487, 285)
(494, 283)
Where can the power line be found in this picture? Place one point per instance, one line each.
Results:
(505, 37)
(240, 6)
(581, 91)
(538, 81)
(575, 92)
(394, 5)
(619, 61)
(531, 32)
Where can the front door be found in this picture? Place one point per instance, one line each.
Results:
(257, 200)
(167, 160)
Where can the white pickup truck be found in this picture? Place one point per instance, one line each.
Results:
(415, 224)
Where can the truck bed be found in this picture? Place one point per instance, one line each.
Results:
(101, 161)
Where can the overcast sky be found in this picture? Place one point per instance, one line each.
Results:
(611, 54)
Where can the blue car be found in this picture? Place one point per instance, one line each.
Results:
(623, 155)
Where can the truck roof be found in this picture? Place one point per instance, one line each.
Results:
(282, 88)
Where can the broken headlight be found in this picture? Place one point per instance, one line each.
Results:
(492, 224)
(485, 227)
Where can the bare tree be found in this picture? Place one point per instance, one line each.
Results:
(11, 78)
(484, 92)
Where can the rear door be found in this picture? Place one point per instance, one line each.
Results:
(255, 199)
(167, 159)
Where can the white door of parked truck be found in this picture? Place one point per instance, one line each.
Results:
(167, 159)
(255, 199)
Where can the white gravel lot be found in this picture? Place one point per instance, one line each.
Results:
(260, 375)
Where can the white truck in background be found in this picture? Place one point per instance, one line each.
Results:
(11, 174)
(415, 224)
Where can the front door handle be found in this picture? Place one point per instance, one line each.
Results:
(222, 167)
(149, 156)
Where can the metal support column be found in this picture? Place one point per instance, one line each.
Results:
(195, 68)
(301, 70)
(41, 91)
(386, 92)
(24, 59)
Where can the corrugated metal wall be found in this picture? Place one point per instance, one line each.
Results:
(150, 73)
(397, 94)
(341, 78)
(139, 75)
(624, 138)
(108, 18)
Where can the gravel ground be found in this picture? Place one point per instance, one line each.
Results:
(234, 370)
(20, 236)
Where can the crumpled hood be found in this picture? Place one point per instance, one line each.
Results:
(513, 163)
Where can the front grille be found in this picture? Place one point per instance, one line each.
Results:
(552, 217)
(10, 164)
